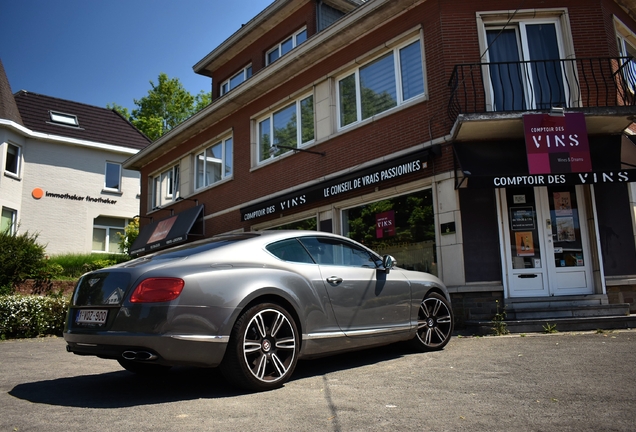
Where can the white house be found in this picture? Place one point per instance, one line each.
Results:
(62, 174)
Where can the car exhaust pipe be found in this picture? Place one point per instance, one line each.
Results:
(139, 355)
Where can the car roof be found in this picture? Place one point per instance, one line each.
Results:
(261, 238)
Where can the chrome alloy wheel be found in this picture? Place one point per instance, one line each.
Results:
(434, 322)
(269, 345)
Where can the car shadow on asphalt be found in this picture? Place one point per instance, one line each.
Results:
(123, 389)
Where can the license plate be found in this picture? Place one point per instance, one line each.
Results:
(91, 316)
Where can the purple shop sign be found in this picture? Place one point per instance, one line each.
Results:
(557, 144)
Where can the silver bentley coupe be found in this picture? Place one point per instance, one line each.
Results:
(253, 304)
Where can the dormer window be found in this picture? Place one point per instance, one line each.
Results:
(237, 79)
(64, 119)
(285, 46)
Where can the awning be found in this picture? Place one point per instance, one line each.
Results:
(169, 231)
(491, 164)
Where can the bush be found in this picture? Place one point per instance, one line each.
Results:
(75, 265)
(21, 258)
(23, 316)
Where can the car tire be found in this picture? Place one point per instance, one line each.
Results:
(263, 348)
(140, 368)
(434, 324)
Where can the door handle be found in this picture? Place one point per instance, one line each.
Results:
(334, 280)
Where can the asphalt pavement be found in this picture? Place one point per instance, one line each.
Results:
(557, 382)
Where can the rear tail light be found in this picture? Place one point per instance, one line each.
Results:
(155, 290)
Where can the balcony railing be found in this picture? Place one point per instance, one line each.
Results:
(540, 85)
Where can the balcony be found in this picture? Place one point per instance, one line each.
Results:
(488, 100)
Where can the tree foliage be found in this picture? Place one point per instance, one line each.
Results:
(131, 232)
(166, 105)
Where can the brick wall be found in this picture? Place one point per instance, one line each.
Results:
(477, 306)
(623, 294)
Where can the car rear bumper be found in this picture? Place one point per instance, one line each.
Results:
(186, 350)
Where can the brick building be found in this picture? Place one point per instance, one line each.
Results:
(485, 144)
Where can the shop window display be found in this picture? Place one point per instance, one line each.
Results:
(402, 226)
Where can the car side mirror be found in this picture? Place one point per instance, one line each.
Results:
(388, 262)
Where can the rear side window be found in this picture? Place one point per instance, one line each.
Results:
(290, 250)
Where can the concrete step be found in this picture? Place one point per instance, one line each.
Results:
(555, 301)
(558, 324)
(526, 313)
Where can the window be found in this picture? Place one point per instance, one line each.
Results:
(627, 48)
(105, 234)
(237, 79)
(64, 119)
(12, 160)
(165, 187)
(402, 226)
(525, 67)
(8, 221)
(112, 178)
(288, 128)
(290, 250)
(214, 164)
(310, 224)
(382, 84)
(285, 46)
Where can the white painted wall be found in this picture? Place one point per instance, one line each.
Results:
(65, 225)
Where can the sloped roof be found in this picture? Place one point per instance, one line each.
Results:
(96, 124)
(8, 108)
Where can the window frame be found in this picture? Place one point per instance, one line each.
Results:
(226, 86)
(108, 229)
(398, 79)
(625, 37)
(17, 160)
(64, 119)
(165, 193)
(299, 130)
(14, 217)
(120, 172)
(279, 47)
(200, 184)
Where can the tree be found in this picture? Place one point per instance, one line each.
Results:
(130, 235)
(166, 105)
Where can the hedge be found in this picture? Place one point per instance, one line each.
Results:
(25, 316)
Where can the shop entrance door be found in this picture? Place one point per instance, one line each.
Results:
(545, 241)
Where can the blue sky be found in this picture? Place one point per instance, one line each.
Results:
(105, 51)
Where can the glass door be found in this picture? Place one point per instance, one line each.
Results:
(525, 68)
(524, 243)
(567, 241)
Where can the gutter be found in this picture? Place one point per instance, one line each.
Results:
(58, 139)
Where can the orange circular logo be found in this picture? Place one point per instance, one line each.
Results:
(37, 193)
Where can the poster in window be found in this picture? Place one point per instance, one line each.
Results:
(562, 203)
(522, 218)
(565, 229)
(385, 224)
(524, 243)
